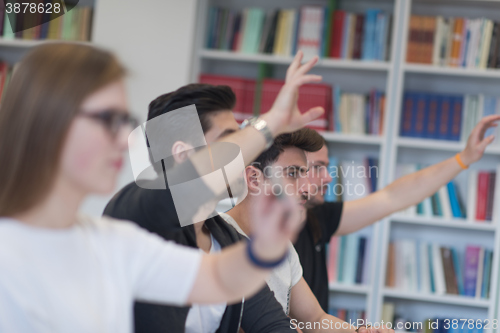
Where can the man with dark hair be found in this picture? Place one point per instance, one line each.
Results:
(154, 211)
(283, 169)
(325, 220)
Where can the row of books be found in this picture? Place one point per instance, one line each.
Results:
(348, 315)
(73, 25)
(448, 202)
(432, 269)
(344, 112)
(445, 117)
(352, 179)
(315, 30)
(348, 260)
(454, 42)
(359, 113)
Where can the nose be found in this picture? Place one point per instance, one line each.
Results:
(304, 186)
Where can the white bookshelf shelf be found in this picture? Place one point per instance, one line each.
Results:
(452, 71)
(282, 60)
(349, 288)
(352, 138)
(443, 299)
(453, 146)
(441, 222)
(27, 43)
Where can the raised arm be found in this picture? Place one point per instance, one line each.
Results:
(413, 188)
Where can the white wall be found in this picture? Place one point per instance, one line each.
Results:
(154, 39)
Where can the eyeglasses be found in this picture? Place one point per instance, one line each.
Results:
(112, 120)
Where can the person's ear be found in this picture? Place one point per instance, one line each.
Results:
(181, 151)
(254, 178)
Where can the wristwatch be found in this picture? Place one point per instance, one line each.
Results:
(260, 125)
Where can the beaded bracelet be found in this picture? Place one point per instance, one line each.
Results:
(261, 263)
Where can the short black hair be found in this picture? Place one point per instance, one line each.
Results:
(208, 99)
(306, 139)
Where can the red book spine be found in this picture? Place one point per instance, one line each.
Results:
(338, 25)
(313, 95)
(358, 37)
(491, 196)
(482, 193)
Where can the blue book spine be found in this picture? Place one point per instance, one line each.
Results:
(407, 114)
(324, 28)
(366, 35)
(431, 271)
(351, 255)
(372, 169)
(340, 264)
(345, 35)
(360, 259)
(455, 206)
(489, 109)
(330, 195)
(296, 33)
(418, 109)
(456, 117)
(212, 13)
(486, 273)
(444, 115)
(458, 271)
(382, 41)
(379, 32)
(466, 50)
(336, 116)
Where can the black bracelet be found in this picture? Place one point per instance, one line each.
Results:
(260, 263)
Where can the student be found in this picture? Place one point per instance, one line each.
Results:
(63, 130)
(327, 219)
(154, 210)
(286, 160)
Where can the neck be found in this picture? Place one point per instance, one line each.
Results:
(58, 210)
(241, 214)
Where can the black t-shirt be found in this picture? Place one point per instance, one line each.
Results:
(322, 222)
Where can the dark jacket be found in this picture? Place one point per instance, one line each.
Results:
(154, 210)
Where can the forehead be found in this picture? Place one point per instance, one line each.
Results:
(291, 156)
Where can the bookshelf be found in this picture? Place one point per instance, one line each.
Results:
(347, 73)
(393, 77)
(417, 306)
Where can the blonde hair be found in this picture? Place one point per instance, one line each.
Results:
(43, 97)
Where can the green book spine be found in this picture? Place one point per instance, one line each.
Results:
(332, 6)
(8, 33)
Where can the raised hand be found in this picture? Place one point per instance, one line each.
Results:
(285, 116)
(477, 143)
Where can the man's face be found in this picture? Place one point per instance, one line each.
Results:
(318, 175)
(223, 123)
(291, 169)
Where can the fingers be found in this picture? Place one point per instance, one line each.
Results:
(312, 114)
(488, 140)
(307, 66)
(294, 65)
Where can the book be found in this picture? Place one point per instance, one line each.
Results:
(471, 270)
(449, 271)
